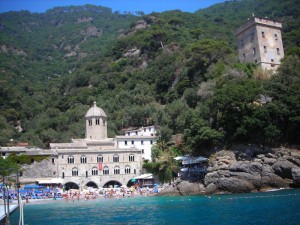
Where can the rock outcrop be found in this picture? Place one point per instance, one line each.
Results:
(244, 169)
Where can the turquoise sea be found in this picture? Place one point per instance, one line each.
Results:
(280, 207)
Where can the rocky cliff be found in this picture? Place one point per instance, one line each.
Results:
(244, 169)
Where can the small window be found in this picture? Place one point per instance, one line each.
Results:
(132, 142)
(278, 51)
(263, 34)
(142, 142)
(144, 129)
(90, 123)
(99, 158)
(97, 121)
(116, 158)
(151, 142)
(94, 171)
(70, 160)
(131, 158)
(125, 142)
(276, 37)
(252, 36)
(255, 60)
(63, 175)
(54, 173)
(83, 159)
(104, 123)
(143, 151)
(127, 169)
(128, 133)
(117, 170)
(254, 51)
(136, 133)
(272, 60)
(86, 174)
(265, 49)
(105, 170)
(53, 161)
(244, 57)
(74, 172)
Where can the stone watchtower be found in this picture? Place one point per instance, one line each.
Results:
(95, 124)
(259, 41)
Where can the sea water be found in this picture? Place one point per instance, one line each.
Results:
(280, 207)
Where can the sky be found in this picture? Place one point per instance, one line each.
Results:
(147, 6)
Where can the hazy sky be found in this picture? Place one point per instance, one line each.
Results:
(147, 6)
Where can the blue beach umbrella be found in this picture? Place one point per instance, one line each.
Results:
(133, 180)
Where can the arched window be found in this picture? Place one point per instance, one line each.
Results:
(131, 158)
(99, 158)
(116, 158)
(74, 172)
(94, 171)
(117, 170)
(105, 170)
(70, 160)
(127, 169)
(83, 159)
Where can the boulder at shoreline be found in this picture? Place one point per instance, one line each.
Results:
(243, 169)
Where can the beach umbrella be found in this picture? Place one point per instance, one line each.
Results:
(133, 180)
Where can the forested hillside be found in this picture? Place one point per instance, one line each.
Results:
(176, 70)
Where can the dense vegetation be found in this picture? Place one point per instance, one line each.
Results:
(176, 70)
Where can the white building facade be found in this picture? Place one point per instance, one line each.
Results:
(143, 139)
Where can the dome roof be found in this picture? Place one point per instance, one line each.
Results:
(95, 111)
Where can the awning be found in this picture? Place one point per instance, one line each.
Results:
(50, 181)
(145, 176)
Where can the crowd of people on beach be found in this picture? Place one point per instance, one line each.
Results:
(108, 193)
(31, 195)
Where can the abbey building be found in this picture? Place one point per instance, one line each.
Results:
(95, 161)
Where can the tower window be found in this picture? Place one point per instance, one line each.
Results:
(276, 37)
(142, 142)
(265, 49)
(97, 121)
(254, 51)
(132, 142)
(125, 142)
(272, 60)
(278, 51)
(244, 57)
(263, 34)
(151, 142)
(90, 123)
(104, 123)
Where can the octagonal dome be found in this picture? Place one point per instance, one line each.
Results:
(95, 112)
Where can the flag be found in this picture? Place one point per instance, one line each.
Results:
(99, 166)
